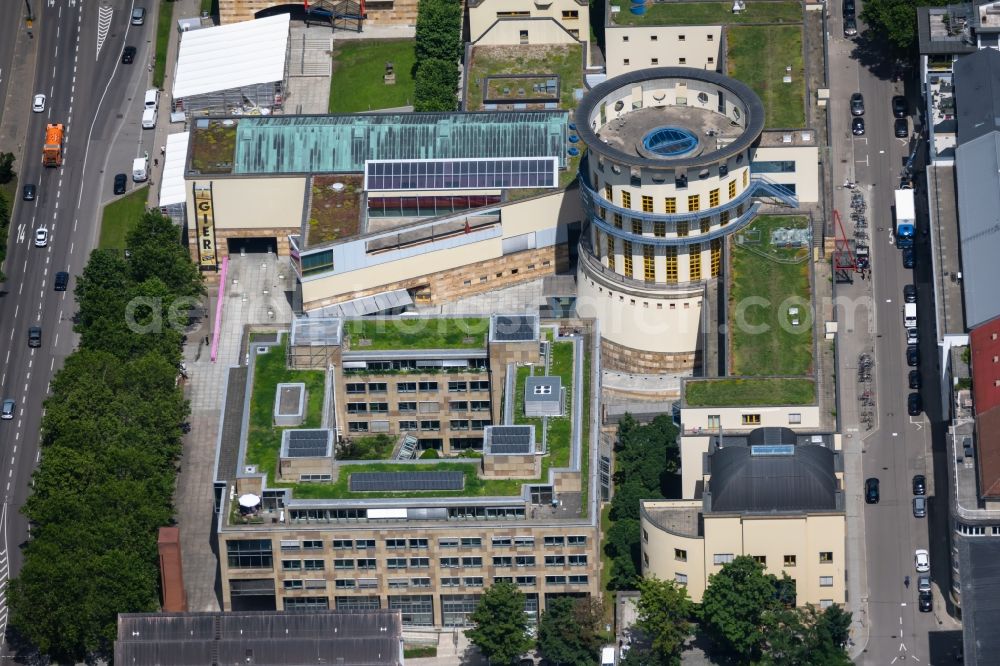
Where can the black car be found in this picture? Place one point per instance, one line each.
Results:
(128, 55)
(849, 8)
(919, 485)
(912, 358)
(857, 105)
(62, 281)
(901, 128)
(29, 192)
(871, 491)
(914, 404)
(35, 336)
(910, 293)
(908, 258)
(914, 380)
(899, 106)
(858, 126)
(926, 602)
(120, 181)
(850, 26)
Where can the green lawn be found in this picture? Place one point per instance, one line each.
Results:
(163, 25)
(120, 216)
(766, 282)
(758, 56)
(474, 486)
(585, 432)
(263, 439)
(565, 61)
(749, 392)
(710, 13)
(417, 333)
(358, 69)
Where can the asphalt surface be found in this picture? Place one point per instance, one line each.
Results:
(98, 100)
(899, 446)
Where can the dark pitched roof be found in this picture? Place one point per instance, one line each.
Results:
(978, 192)
(979, 562)
(977, 94)
(745, 480)
(259, 638)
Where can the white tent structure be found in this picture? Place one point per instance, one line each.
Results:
(172, 188)
(235, 69)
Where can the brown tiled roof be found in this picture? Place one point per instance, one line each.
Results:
(988, 452)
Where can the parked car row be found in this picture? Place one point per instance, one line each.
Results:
(901, 124)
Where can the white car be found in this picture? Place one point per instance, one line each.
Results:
(922, 560)
(911, 336)
(38, 103)
(41, 237)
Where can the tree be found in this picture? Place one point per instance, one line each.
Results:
(568, 633)
(6, 167)
(894, 22)
(435, 86)
(438, 33)
(622, 546)
(734, 606)
(500, 624)
(663, 612)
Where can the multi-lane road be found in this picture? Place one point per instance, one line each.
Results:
(78, 47)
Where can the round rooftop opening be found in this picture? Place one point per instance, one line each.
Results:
(670, 141)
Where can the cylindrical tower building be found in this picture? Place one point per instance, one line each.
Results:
(666, 178)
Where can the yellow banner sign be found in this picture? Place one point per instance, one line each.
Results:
(208, 256)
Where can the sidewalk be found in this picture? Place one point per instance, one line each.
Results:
(17, 105)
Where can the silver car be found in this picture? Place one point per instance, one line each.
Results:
(923, 583)
(7, 410)
(919, 507)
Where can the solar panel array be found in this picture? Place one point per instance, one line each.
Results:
(510, 439)
(513, 328)
(405, 481)
(460, 174)
(307, 443)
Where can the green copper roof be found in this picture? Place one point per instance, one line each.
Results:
(342, 143)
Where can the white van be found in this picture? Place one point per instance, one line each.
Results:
(910, 315)
(608, 656)
(149, 119)
(140, 169)
(152, 99)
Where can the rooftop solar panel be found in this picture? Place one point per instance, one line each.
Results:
(307, 443)
(508, 440)
(469, 174)
(405, 481)
(513, 328)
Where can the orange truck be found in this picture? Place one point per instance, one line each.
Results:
(52, 150)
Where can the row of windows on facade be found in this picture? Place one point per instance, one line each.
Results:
(500, 274)
(825, 556)
(357, 388)
(416, 609)
(710, 60)
(715, 420)
(470, 365)
(679, 229)
(648, 253)
(354, 515)
(446, 581)
(371, 564)
(554, 540)
(414, 426)
(647, 203)
(680, 38)
(265, 546)
(978, 530)
(453, 406)
(824, 581)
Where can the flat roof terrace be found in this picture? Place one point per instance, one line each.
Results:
(700, 131)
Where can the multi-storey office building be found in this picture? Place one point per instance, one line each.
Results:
(677, 161)
(302, 526)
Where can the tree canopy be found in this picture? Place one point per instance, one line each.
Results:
(663, 612)
(500, 624)
(438, 48)
(110, 440)
(646, 461)
(569, 631)
(894, 22)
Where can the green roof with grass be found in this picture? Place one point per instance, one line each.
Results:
(264, 439)
(758, 56)
(708, 13)
(416, 333)
(770, 302)
(358, 82)
(749, 392)
(559, 432)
